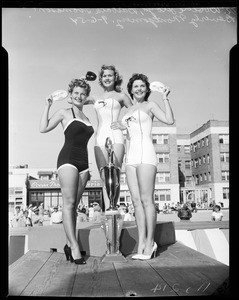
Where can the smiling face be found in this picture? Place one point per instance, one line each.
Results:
(78, 95)
(108, 79)
(139, 90)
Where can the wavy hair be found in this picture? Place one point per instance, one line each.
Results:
(144, 78)
(81, 83)
(118, 78)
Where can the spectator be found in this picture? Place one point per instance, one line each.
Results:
(97, 217)
(127, 215)
(184, 213)
(17, 215)
(56, 216)
(217, 215)
(81, 216)
(91, 212)
(41, 214)
(157, 208)
(165, 210)
(24, 220)
(193, 207)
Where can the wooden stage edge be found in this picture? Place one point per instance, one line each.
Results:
(177, 270)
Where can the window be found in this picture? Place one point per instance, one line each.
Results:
(187, 164)
(202, 142)
(160, 139)
(225, 175)
(188, 179)
(199, 161)
(195, 163)
(198, 144)
(205, 176)
(208, 159)
(197, 179)
(200, 177)
(224, 156)
(191, 147)
(194, 147)
(204, 159)
(224, 138)
(191, 162)
(164, 195)
(225, 192)
(179, 148)
(179, 163)
(163, 157)
(122, 178)
(206, 141)
(163, 177)
(209, 176)
(186, 149)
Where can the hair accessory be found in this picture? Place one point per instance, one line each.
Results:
(90, 76)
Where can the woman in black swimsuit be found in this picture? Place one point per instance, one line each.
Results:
(72, 163)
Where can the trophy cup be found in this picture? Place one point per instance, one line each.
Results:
(113, 220)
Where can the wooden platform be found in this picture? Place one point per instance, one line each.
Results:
(176, 271)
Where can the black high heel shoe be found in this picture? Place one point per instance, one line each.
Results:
(78, 261)
(67, 251)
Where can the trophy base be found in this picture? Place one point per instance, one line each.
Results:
(115, 257)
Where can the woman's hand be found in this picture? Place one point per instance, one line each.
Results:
(49, 100)
(118, 125)
(166, 92)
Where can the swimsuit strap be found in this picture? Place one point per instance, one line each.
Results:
(73, 113)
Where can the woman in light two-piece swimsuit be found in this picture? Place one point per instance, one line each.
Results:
(108, 107)
(141, 160)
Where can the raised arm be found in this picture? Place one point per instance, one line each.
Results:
(167, 116)
(47, 124)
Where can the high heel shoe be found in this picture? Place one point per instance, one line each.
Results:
(78, 261)
(67, 251)
(136, 256)
(149, 256)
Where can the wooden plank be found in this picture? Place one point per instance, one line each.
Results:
(138, 278)
(193, 225)
(189, 272)
(96, 279)
(55, 278)
(24, 269)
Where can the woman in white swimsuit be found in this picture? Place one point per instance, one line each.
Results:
(141, 161)
(108, 107)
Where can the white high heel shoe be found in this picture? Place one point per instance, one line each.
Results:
(152, 255)
(136, 256)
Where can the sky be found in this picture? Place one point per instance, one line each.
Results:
(186, 49)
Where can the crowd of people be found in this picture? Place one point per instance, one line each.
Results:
(38, 216)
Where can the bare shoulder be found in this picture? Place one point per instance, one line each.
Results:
(64, 113)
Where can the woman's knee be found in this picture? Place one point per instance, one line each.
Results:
(147, 201)
(136, 202)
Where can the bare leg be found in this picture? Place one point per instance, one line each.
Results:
(146, 178)
(72, 184)
(101, 157)
(140, 217)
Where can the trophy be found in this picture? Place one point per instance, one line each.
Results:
(113, 219)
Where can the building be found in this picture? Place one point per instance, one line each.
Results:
(203, 158)
(34, 186)
(191, 167)
(210, 160)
